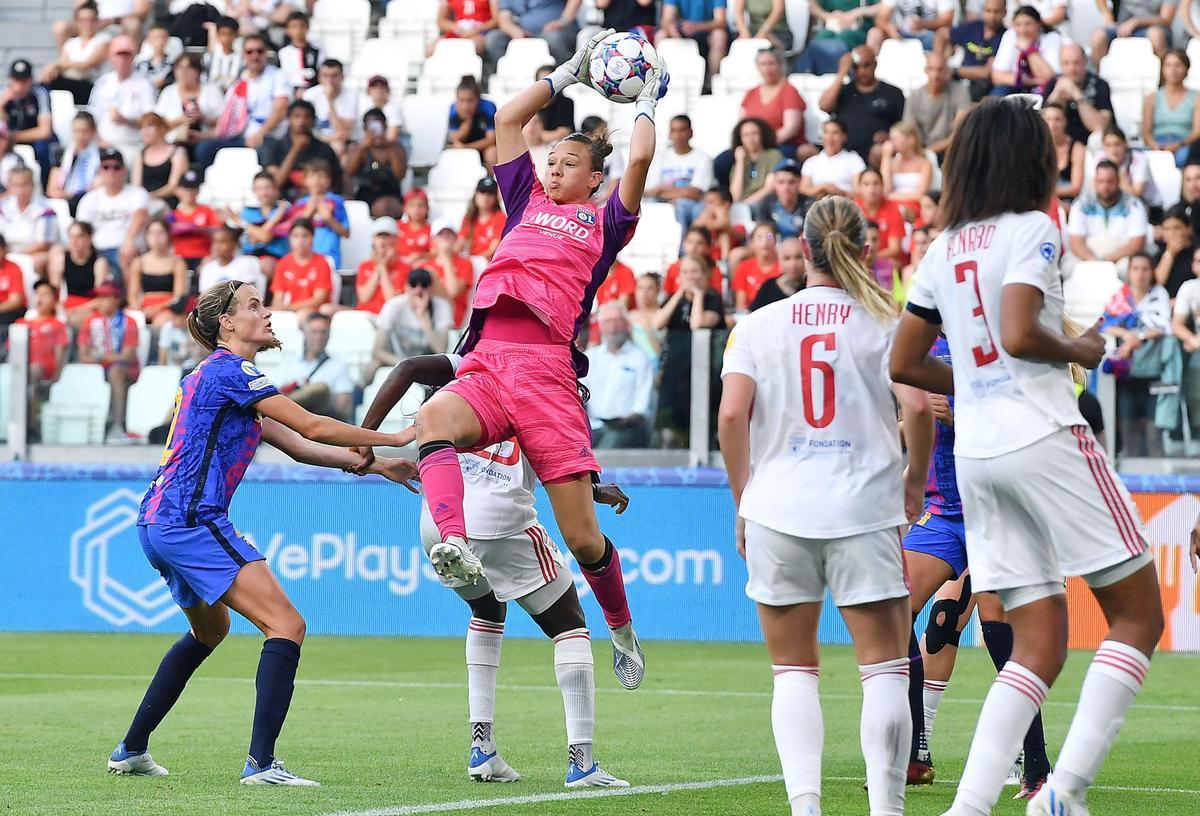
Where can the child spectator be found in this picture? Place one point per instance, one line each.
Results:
(726, 236)
(223, 61)
(1137, 316)
(79, 170)
(303, 279)
(483, 225)
(335, 105)
(12, 292)
(473, 121)
(48, 346)
(157, 65)
(696, 241)
(379, 95)
(382, 276)
(227, 264)
(453, 274)
(413, 243)
(325, 210)
(192, 224)
(762, 265)
(109, 338)
(299, 58)
(262, 234)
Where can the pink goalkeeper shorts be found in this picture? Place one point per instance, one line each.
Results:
(528, 390)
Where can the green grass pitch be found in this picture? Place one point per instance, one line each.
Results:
(381, 723)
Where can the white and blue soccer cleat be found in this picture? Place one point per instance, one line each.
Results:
(1016, 772)
(629, 663)
(490, 767)
(452, 558)
(273, 774)
(1051, 801)
(124, 763)
(593, 777)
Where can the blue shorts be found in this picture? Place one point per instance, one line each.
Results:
(925, 37)
(943, 537)
(1140, 31)
(198, 563)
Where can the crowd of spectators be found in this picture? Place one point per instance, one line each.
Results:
(158, 98)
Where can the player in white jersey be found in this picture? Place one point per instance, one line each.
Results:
(816, 471)
(521, 563)
(1040, 499)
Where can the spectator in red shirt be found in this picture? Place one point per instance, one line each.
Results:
(761, 266)
(109, 338)
(48, 345)
(303, 280)
(726, 236)
(192, 224)
(382, 276)
(619, 286)
(12, 291)
(453, 274)
(483, 226)
(467, 19)
(696, 241)
(885, 213)
(413, 239)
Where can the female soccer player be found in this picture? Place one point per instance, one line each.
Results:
(521, 563)
(518, 376)
(831, 427)
(222, 410)
(1040, 499)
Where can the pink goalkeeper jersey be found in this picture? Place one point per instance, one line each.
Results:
(552, 258)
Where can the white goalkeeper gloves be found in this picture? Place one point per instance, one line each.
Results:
(576, 68)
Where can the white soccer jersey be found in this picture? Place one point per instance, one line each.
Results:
(825, 456)
(1001, 403)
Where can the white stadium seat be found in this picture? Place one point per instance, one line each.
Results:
(29, 159)
(5, 396)
(29, 275)
(77, 411)
(1131, 63)
(426, 117)
(797, 14)
(268, 362)
(230, 180)
(901, 63)
(62, 209)
(742, 55)
(452, 180)
(394, 59)
(151, 398)
(1088, 289)
(714, 118)
(287, 328)
(589, 103)
(62, 116)
(351, 339)
(1127, 105)
(450, 62)
(357, 247)
(1166, 177)
(143, 350)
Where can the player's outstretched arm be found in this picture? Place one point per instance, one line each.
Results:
(308, 452)
(1024, 336)
(632, 186)
(911, 363)
(515, 114)
(322, 429)
(429, 369)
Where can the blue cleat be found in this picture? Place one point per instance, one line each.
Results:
(274, 774)
(490, 767)
(125, 763)
(593, 777)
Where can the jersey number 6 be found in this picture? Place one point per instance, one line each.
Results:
(807, 366)
(982, 356)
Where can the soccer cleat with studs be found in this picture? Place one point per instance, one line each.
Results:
(452, 558)
(629, 662)
(127, 763)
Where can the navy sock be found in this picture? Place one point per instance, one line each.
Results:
(916, 693)
(176, 668)
(999, 640)
(273, 685)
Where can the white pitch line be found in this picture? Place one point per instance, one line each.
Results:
(406, 684)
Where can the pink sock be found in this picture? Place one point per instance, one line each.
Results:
(442, 482)
(609, 588)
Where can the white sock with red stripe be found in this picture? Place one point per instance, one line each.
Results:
(885, 731)
(799, 734)
(1112, 682)
(576, 681)
(1011, 704)
(483, 665)
(932, 695)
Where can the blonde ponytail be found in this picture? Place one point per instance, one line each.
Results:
(836, 231)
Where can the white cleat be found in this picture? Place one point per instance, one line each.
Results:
(1051, 801)
(274, 774)
(452, 558)
(593, 777)
(490, 767)
(1016, 772)
(629, 663)
(123, 763)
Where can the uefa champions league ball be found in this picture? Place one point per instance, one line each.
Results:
(620, 65)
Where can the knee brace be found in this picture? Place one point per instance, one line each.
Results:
(946, 633)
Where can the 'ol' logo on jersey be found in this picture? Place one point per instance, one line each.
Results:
(586, 216)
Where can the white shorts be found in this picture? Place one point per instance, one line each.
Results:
(1046, 511)
(858, 569)
(527, 568)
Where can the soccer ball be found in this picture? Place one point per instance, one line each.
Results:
(620, 65)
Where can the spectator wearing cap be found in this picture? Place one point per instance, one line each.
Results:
(120, 97)
(1133, 18)
(376, 167)
(411, 324)
(703, 21)
(761, 266)
(12, 292)
(784, 205)
(117, 211)
(382, 276)
(453, 274)
(621, 381)
(754, 154)
(335, 106)
(79, 170)
(1087, 97)
(263, 224)
(159, 278)
(468, 20)
(867, 106)
(27, 222)
(937, 106)
(26, 107)
(303, 279)
(325, 210)
(314, 380)
(833, 170)
(413, 239)
(1106, 224)
(299, 59)
(483, 225)
(80, 57)
(109, 338)
(680, 176)
(159, 167)
(286, 158)
(227, 264)
(379, 95)
(192, 224)
(551, 20)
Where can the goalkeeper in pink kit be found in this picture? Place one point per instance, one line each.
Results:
(520, 369)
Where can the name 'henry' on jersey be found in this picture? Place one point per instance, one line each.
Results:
(825, 458)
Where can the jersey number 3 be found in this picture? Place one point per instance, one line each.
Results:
(983, 355)
(807, 366)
